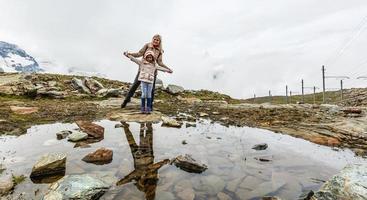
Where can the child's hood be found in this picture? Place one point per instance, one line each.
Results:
(147, 53)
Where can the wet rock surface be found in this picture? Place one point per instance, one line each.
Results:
(77, 136)
(93, 130)
(170, 122)
(77, 187)
(63, 134)
(187, 163)
(350, 183)
(49, 164)
(6, 185)
(100, 156)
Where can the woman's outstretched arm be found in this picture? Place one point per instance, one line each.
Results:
(140, 53)
(132, 58)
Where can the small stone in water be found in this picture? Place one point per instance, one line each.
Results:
(62, 134)
(101, 156)
(188, 164)
(190, 125)
(261, 146)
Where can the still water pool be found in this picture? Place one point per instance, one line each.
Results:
(288, 167)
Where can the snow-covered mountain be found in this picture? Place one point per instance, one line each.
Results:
(15, 59)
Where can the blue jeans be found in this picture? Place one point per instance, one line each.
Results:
(146, 90)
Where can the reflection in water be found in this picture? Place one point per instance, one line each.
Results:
(145, 174)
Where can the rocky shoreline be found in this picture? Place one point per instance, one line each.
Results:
(34, 99)
(23, 105)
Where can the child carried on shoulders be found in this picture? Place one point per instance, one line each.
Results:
(147, 69)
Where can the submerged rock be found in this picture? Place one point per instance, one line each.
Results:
(170, 122)
(190, 125)
(91, 129)
(306, 195)
(188, 164)
(84, 187)
(77, 136)
(174, 89)
(63, 134)
(350, 183)
(260, 147)
(100, 156)
(6, 185)
(49, 164)
(270, 198)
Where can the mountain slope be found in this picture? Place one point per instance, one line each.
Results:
(15, 59)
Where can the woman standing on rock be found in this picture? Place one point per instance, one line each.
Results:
(156, 47)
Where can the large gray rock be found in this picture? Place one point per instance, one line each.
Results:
(92, 85)
(174, 89)
(158, 83)
(84, 187)
(79, 85)
(77, 136)
(49, 164)
(109, 92)
(350, 183)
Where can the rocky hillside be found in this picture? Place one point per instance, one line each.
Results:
(351, 97)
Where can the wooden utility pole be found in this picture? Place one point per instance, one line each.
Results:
(270, 98)
(286, 94)
(323, 84)
(341, 89)
(303, 92)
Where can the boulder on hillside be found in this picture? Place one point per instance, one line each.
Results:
(174, 89)
(79, 85)
(109, 92)
(93, 85)
(158, 83)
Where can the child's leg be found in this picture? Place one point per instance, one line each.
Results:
(149, 97)
(143, 95)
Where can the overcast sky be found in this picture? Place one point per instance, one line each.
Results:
(236, 47)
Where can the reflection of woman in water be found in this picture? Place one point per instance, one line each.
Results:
(145, 174)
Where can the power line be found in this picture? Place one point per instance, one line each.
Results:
(355, 34)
